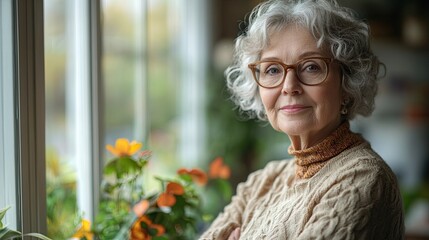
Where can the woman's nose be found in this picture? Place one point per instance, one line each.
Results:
(291, 84)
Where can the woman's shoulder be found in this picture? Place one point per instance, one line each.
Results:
(364, 157)
(269, 173)
(278, 166)
(360, 162)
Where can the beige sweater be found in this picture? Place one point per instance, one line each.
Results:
(354, 195)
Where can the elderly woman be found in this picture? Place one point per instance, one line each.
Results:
(307, 67)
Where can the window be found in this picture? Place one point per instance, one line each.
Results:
(62, 99)
(134, 87)
(154, 70)
(124, 70)
(70, 166)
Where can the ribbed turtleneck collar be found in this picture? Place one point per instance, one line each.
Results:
(310, 160)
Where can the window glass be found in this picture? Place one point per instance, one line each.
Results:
(142, 79)
(68, 163)
(124, 71)
(8, 165)
(154, 67)
(150, 94)
(164, 81)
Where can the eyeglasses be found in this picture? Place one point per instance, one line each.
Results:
(310, 71)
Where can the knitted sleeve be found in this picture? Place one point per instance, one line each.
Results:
(362, 203)
(231, 217)
(257, 185)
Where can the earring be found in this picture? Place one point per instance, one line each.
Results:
(344, 109)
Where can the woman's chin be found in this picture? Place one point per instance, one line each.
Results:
(294, 128)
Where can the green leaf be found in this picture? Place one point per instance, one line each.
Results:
(121, 166)
(37, 235)
(152, 231)
(144, 225)
(159, 238)
(11, 234)
(6, 233)
(108, 188)
(179, 207)
(224, 188)
(3, 212)
(186, 177)
(208, 217)
(142, 162)
(123, 232)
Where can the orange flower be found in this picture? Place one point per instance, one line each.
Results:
(123, 148)
(84, 231)
(219, 170)
(175, 188)
(138, 232)
(140, 208)
(167, 199)
(197, 175)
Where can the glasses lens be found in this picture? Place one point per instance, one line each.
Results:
(312, 71)
(269, 74)
(309, 71)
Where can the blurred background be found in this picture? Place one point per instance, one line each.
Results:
(163, 84)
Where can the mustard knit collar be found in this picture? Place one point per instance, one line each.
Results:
(310, 160)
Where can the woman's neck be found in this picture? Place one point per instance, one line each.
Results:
(310, 160)
(309, 139)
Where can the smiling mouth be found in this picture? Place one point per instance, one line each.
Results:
(293, 108)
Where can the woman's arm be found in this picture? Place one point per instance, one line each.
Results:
(232, 216)
(358, 206)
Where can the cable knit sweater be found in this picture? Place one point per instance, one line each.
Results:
(338, 189)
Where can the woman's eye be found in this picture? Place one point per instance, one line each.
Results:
(272, 70)
(310, 67)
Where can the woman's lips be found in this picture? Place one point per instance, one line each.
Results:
(296, 108)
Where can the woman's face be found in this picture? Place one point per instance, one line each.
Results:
(307, 114)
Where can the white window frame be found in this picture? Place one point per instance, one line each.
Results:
(84, 87)
(194, 59)
(8, 167)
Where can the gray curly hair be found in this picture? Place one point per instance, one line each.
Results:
(334, 27)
